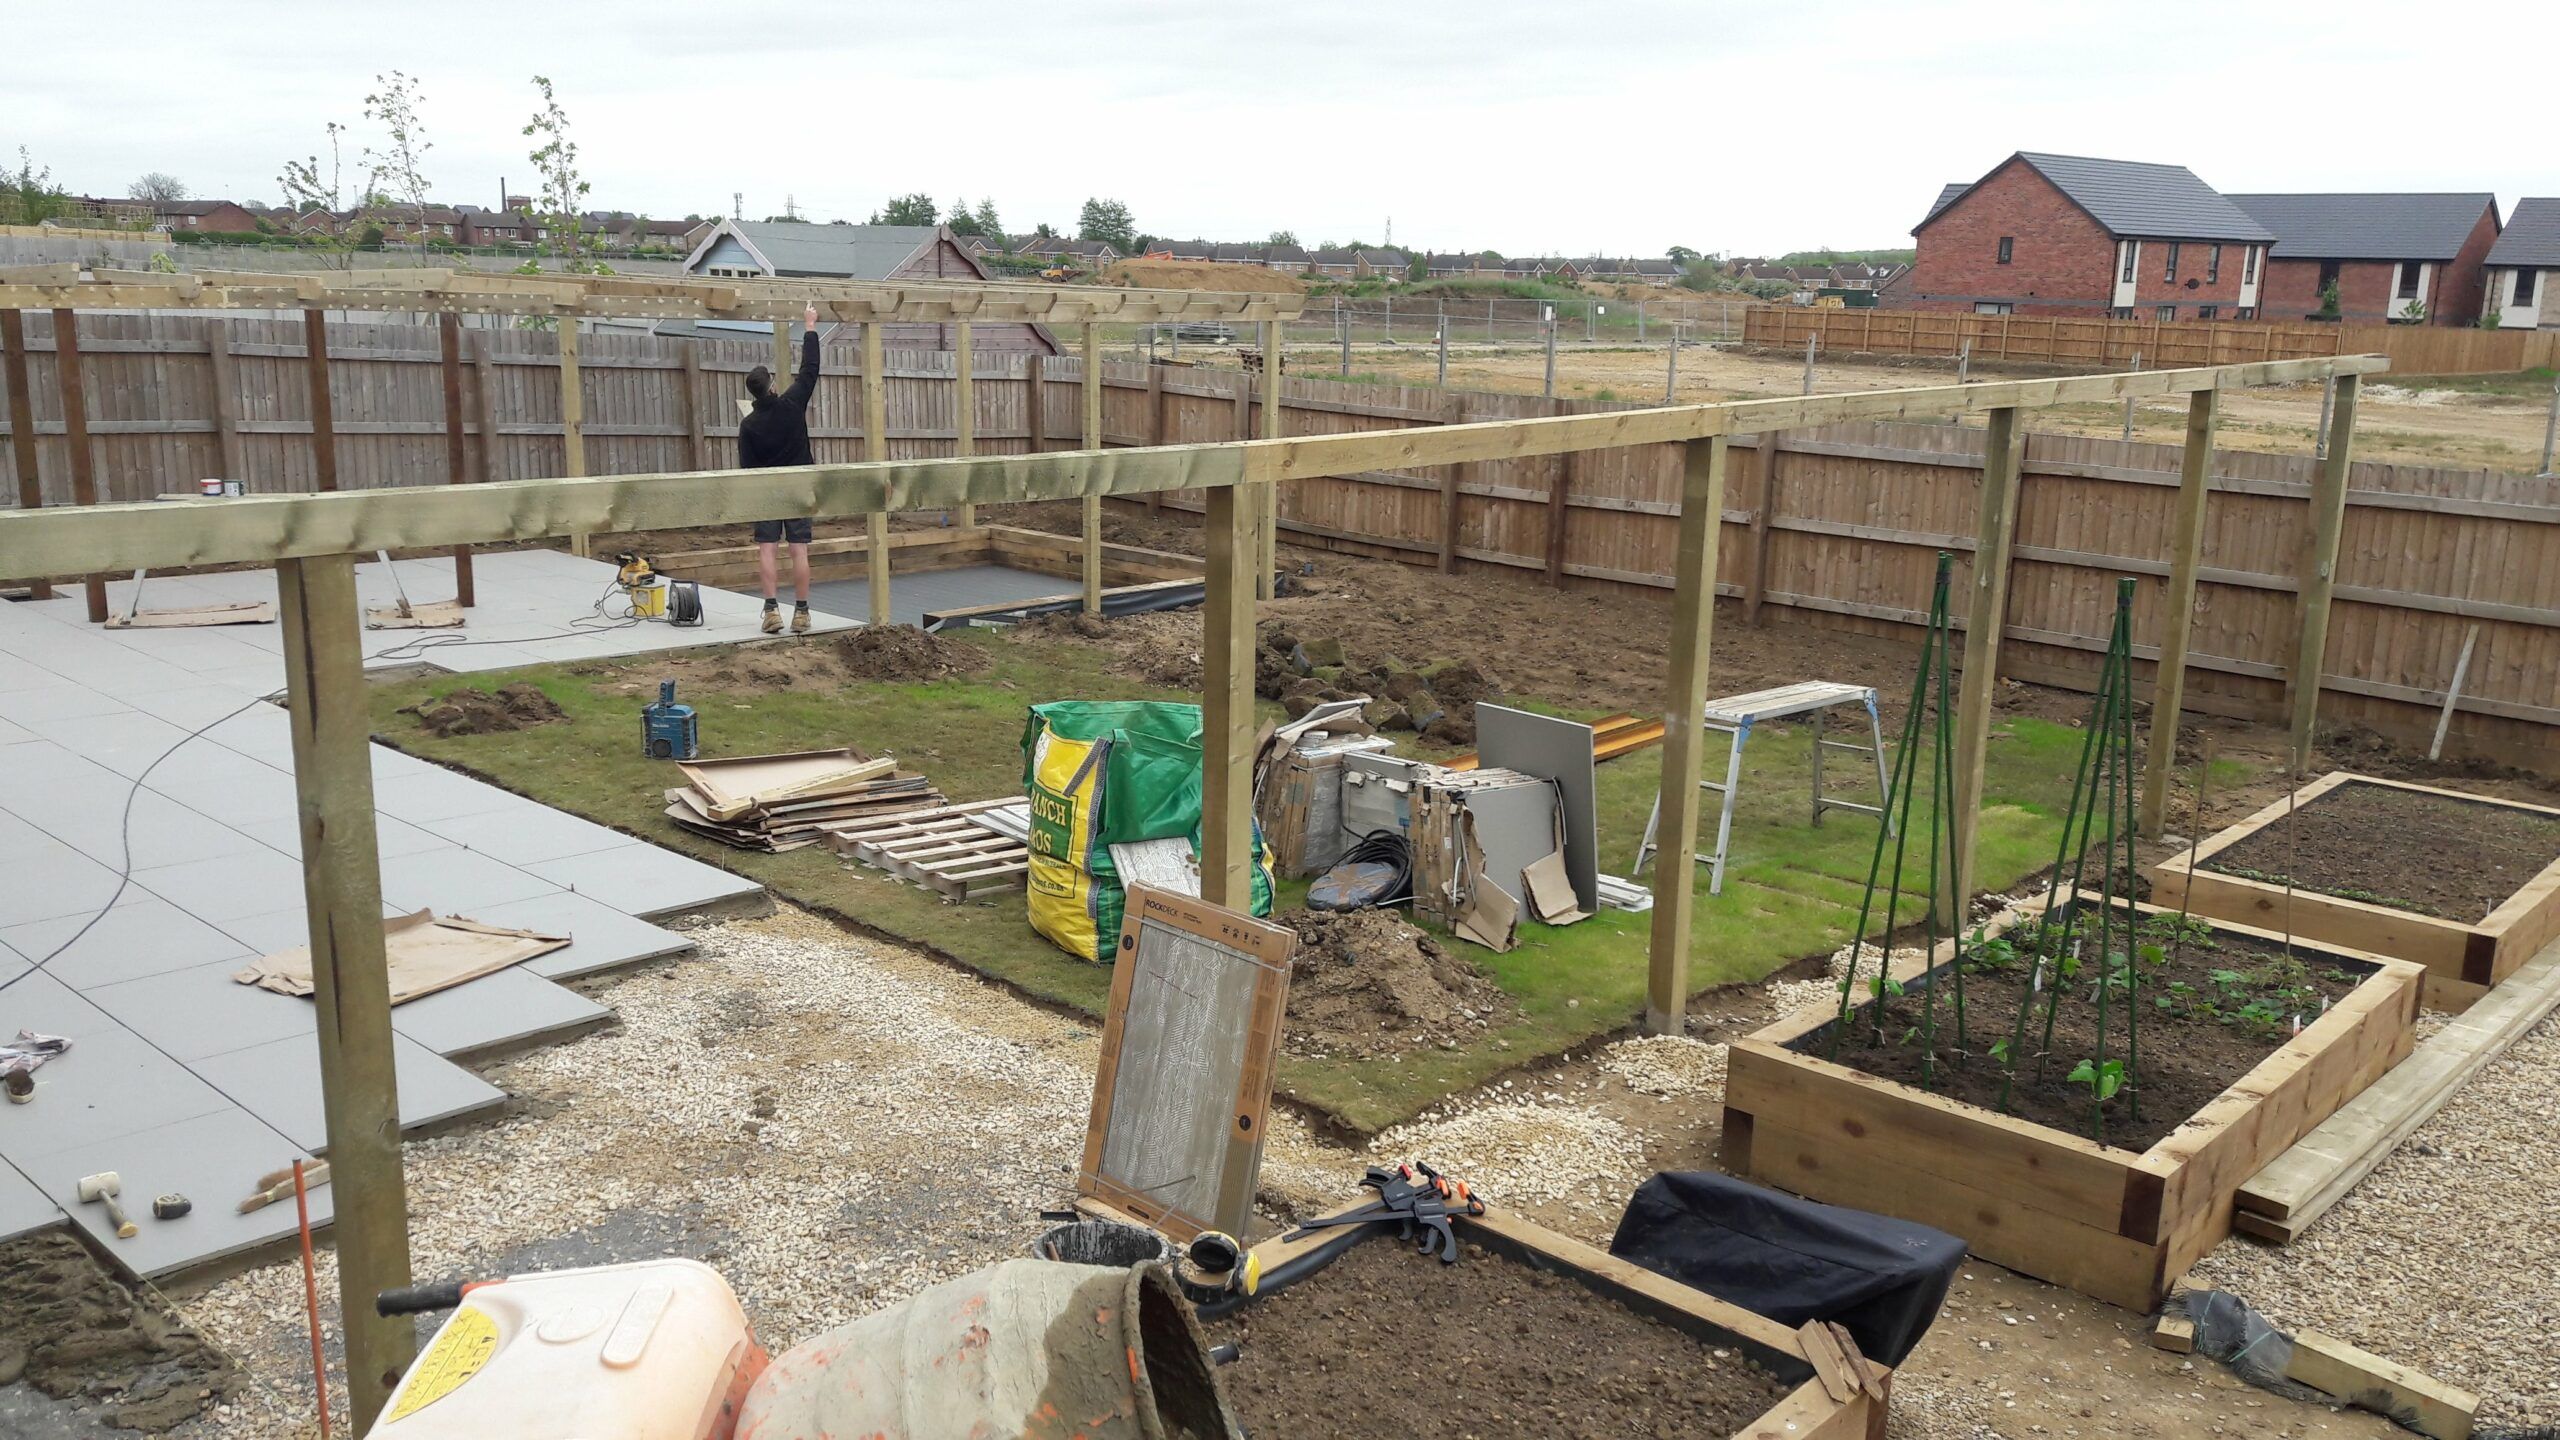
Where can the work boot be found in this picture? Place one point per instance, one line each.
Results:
(800, 618)
(772, 618)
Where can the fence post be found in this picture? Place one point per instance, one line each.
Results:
(1811, 338)
(573, 414)
(1452, 488)
(1551, 353)
(2320, 434)
(1226, 752)
(2550, 430)
(875, 447)
(1964, 363)
(2003, 439)
(1342, 335)
(1266, 541)
(2128, 400)
(2320, 573)
(1755, 585)
(1671, 366)
(1693, 613)
(2186, 552)
(964, 406)
(689, 405)
(1444, 349)
(22, 423)
(484, 397)
(1092, 506)
(457, 465)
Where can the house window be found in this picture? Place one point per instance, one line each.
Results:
(2207, 312)
(2523, 292)
(2172, 271)
(2008, 244)
(1994, 307)
(2165, 313)
(2213, 265)
(2245, 312)
(2249, 267)
(2121, 312)
(2127, 276)
(2408, 280)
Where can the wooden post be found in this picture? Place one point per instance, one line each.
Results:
(2320, 568)
(324, 416)
(875, 446)
(1453, 483)
(1266, 537)
(1226, 755)
(573, 417)
(689, 405)
(1693, 614)
(457, 464)
(226, 398)
(75, 436)
(2003, 439)
(1035, 404)
(342, 888)
(22, 423)
(964, 407)
(484, 400)
(1755, 586)
(1092, 505)
(1559, 501)
(1155, 423)
(2186, 553)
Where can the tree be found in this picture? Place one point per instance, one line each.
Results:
(986, 218)
(157, 187)
(1043, 231)
(396, 172)
(1107, 221)
(1680, 255)
(306, 189)
(915, 209)
(1283, 237)
(28, 195)
(562, 190)
(961, 221)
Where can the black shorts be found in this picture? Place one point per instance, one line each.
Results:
(774, 532)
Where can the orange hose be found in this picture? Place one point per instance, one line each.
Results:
(311, 1297)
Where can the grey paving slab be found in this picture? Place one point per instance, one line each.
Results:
(18, 674)
(277, 930)
(455, 881)
(227, 887)
(391, 837)
(226, 785)
(23, 1206)
(51, 881)
(600, 937)
(194, 704)
(17, 837)
(56, 702)
(512, 1007)
(279, 1082)
(12, 733)
(144, 829)
(126, 742)
(422, 797)
(110, 1082)
(264, 733)
(149, 937)
(643, 880)
(202, 1011)
(523, 837)
(120, 670)
(47, 780)
(212, 1159)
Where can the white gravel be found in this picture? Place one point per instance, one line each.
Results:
(2446, 1257)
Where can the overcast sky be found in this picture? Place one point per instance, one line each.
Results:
(1618, 128)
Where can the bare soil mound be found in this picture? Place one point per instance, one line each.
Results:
(1367, 982)
(1160, 648)
(69, 1330)
(1202, 275)
(469, 711)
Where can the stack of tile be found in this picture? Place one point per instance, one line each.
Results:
(775, 803)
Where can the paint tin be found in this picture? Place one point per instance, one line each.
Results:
(235, 487)
(209, 486)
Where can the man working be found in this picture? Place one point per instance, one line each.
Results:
(776, 432)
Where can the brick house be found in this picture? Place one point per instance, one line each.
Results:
(2524, 266)
(2070, 235)
(2392, 257)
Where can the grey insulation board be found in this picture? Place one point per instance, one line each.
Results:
(1557, 750)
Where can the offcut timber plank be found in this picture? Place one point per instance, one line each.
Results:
(2299, 1186)
(2368, 1382)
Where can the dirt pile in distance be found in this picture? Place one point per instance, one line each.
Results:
(1437, 698)
(77, 1335)
(899, 654)
(1367, 982)
(1161, 648)
(469, 711)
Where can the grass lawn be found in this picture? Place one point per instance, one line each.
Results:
(1792, 889)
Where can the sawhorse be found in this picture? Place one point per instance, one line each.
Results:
(1735, 715)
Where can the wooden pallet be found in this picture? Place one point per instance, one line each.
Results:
(944, 850)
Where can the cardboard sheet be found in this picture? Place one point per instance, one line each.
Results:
(432, 615)
(242, 612)
(1550, 892)
(731, 787)
(425, 953)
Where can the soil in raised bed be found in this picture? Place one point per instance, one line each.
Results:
(2191, 1050)
(2411, 850)
(1388, 1341)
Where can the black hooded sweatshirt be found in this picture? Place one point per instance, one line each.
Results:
(776, 431)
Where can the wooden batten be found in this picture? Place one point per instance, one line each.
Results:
(2111, 1223)
(2462, 961)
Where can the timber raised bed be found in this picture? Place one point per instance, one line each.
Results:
(2465, 885)
(2108, 1221)
(1357, 1334)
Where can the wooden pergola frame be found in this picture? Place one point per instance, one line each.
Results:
(314, 541)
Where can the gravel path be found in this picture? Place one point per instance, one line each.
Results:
(2446, 1257)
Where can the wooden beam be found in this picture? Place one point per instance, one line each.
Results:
(573, 417)
(2186, 556)
(75, 442)
(1275, 416)
(964, 406)
(1092, 440)
(875, 450)
(2369, 1382)
(2004, 440)
(689, 405)
(2320, 573)
(22, 423)
(457, 462)
(1693, 613)
(342, 887)
(1227, 741)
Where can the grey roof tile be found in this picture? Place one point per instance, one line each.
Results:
(2368, 227)
(2532, 236)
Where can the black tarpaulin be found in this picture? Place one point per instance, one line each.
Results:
(1792, 1260)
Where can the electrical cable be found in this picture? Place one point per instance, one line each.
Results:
(1377, 871)
(419, 648)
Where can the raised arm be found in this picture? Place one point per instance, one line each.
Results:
(805, 384)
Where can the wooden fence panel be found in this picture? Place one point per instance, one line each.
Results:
(2093, 344)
